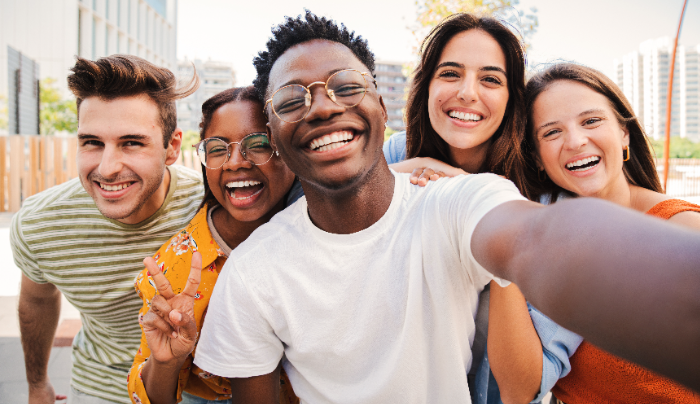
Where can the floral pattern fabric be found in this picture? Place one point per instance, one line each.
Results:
(174, 260)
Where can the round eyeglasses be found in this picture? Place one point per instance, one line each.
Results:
(346, 88)
(255, 148)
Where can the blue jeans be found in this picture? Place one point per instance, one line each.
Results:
(188, 398)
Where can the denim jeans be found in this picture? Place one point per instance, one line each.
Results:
(190, 399)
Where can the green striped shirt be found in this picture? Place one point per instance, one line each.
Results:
(60, 237)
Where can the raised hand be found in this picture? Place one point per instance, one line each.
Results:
(169, 324)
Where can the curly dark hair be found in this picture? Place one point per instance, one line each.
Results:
(303, 29)
(236, 94)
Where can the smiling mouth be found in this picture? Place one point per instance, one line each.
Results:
(116, 187)
(241, 190)
(465, 116)
(583, 164)
(331, 141)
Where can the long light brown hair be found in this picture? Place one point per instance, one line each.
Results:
(639, 170)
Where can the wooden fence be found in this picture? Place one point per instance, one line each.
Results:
(30, 164)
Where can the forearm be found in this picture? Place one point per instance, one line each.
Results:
(626, 282)
(38, 318)
(514, 348)
(160, 381)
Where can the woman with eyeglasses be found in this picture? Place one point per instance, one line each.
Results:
(466, 113)
(245, 184)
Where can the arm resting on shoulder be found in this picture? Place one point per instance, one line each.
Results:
(514, 349)
(39, 310)
(263, 389)
(626, 282)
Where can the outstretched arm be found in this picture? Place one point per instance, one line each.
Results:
(626, 282)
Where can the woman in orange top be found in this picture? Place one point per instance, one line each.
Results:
(584, 140)
(245, 184)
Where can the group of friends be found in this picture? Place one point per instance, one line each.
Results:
(317, 263)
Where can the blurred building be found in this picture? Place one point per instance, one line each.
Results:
(392, 85)
(643, 76)
(214, 77)
(52, 32)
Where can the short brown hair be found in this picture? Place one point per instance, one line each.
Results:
(125, 76)
(640, 170)
(503, 156)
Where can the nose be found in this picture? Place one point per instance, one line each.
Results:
(322, 107)
(236, 160)
(469, 90)
(111, 163)
(576, 138)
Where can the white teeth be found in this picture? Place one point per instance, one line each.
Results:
(463, 116)
(331, 141)
(118, 187)
(241, 184)
(572, 166)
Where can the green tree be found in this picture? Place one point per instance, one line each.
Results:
(3, 113)
(57, 114)
(189, 137)
(431, 12)
(681, 148)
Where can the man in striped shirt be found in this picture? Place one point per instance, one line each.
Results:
(87, 238)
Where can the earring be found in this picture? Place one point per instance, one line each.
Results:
(543, 177)
(386, 124)
(626, 151)
(277, 153)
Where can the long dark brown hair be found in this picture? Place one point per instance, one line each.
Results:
(503, 156)
(639, 170)
(210, 106)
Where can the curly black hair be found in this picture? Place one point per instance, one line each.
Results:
(303, 29)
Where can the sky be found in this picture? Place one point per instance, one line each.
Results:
(594, 32)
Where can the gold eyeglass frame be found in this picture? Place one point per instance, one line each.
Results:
(329, 93)
(240, 150)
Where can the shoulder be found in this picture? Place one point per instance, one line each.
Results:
(48, 204)
(474, 185)
(188, 180)
(282, 234)
(395, 148)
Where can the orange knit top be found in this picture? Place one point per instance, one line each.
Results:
(599, 377)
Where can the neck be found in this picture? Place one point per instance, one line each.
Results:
(619, 193)
(355, 208)
(233, 231)
(471, 159)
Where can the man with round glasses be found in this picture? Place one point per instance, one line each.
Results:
(370, 294)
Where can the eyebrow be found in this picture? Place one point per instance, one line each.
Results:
(461, 66)
(131, 136)
(586, 112)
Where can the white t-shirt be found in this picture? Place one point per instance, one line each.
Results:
(384, 315)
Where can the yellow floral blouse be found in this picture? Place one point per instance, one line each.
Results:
(174, 260)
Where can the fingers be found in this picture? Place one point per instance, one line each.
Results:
(158, 316)
(421, 176)
(195, 275)
(186, 324)
(162, 284)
